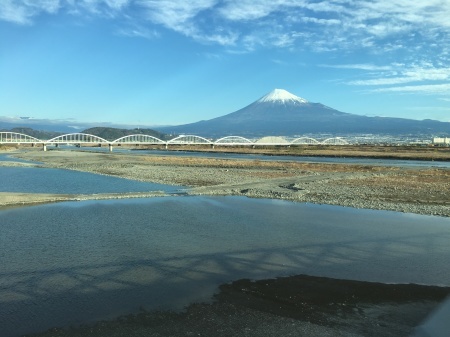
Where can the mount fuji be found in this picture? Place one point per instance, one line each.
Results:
(282, 113)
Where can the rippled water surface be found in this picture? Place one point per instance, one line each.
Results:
(74, 262)
(45, 180)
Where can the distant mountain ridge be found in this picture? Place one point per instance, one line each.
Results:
(107, 133)
(282, 113)
(42, 135)
(114, 133)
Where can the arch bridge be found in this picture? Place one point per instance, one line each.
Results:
(17, 138)
(138, 139)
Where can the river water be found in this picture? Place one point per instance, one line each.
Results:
(46, 180)
(76, 262)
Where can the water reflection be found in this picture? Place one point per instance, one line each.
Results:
(69, 263)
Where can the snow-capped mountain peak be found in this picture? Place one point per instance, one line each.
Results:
(281, 96)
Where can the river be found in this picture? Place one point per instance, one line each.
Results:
(76, 262)
(303, 159)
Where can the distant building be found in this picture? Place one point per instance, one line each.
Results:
(441, 141)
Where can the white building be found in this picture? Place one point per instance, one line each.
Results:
(441, 141)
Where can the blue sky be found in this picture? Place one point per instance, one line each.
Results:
(168, 62)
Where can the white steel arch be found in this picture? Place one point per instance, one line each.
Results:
(189, 139)
(17, 138)
(334, 141)
(77, 138)
(138, 139)
(233, 140)
(80, 138)
(305, 140)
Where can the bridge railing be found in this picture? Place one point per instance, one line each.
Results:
(334, 141)
(189, 139)
(233, 140)
(77, 138)
(17, 138)
(138, 139)
(305, 141)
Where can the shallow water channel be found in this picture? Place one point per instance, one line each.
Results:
(75, 262)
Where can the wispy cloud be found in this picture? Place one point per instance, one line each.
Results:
(176, 15)
(425, 88)
(250, 10)
(427, 78)
(419, 77)
(138, 31)
(22, 12)
(379, 26)
(358, 66)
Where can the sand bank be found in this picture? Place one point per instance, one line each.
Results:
(411, 190)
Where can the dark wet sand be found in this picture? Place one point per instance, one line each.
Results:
(289, 306)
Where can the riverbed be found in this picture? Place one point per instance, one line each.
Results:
(80, 262)
(421, 190)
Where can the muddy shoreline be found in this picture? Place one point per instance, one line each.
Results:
(290, 306)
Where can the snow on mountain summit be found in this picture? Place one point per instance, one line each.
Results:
(281, 95)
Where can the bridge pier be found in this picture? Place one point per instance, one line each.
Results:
(44, 147)
(110, 147)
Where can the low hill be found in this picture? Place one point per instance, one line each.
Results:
(114, 133)
(39, 134)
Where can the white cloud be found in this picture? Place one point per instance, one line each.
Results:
(102, 8)
(16, 14)
(407, 75)
(419, 77)
(22, 12)
(137, 31)
(247, 10)
(174, 14)
(228, 39)
(117, 4)
(357, 66)
(381, 26)
(424, 89)
(327, 22)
